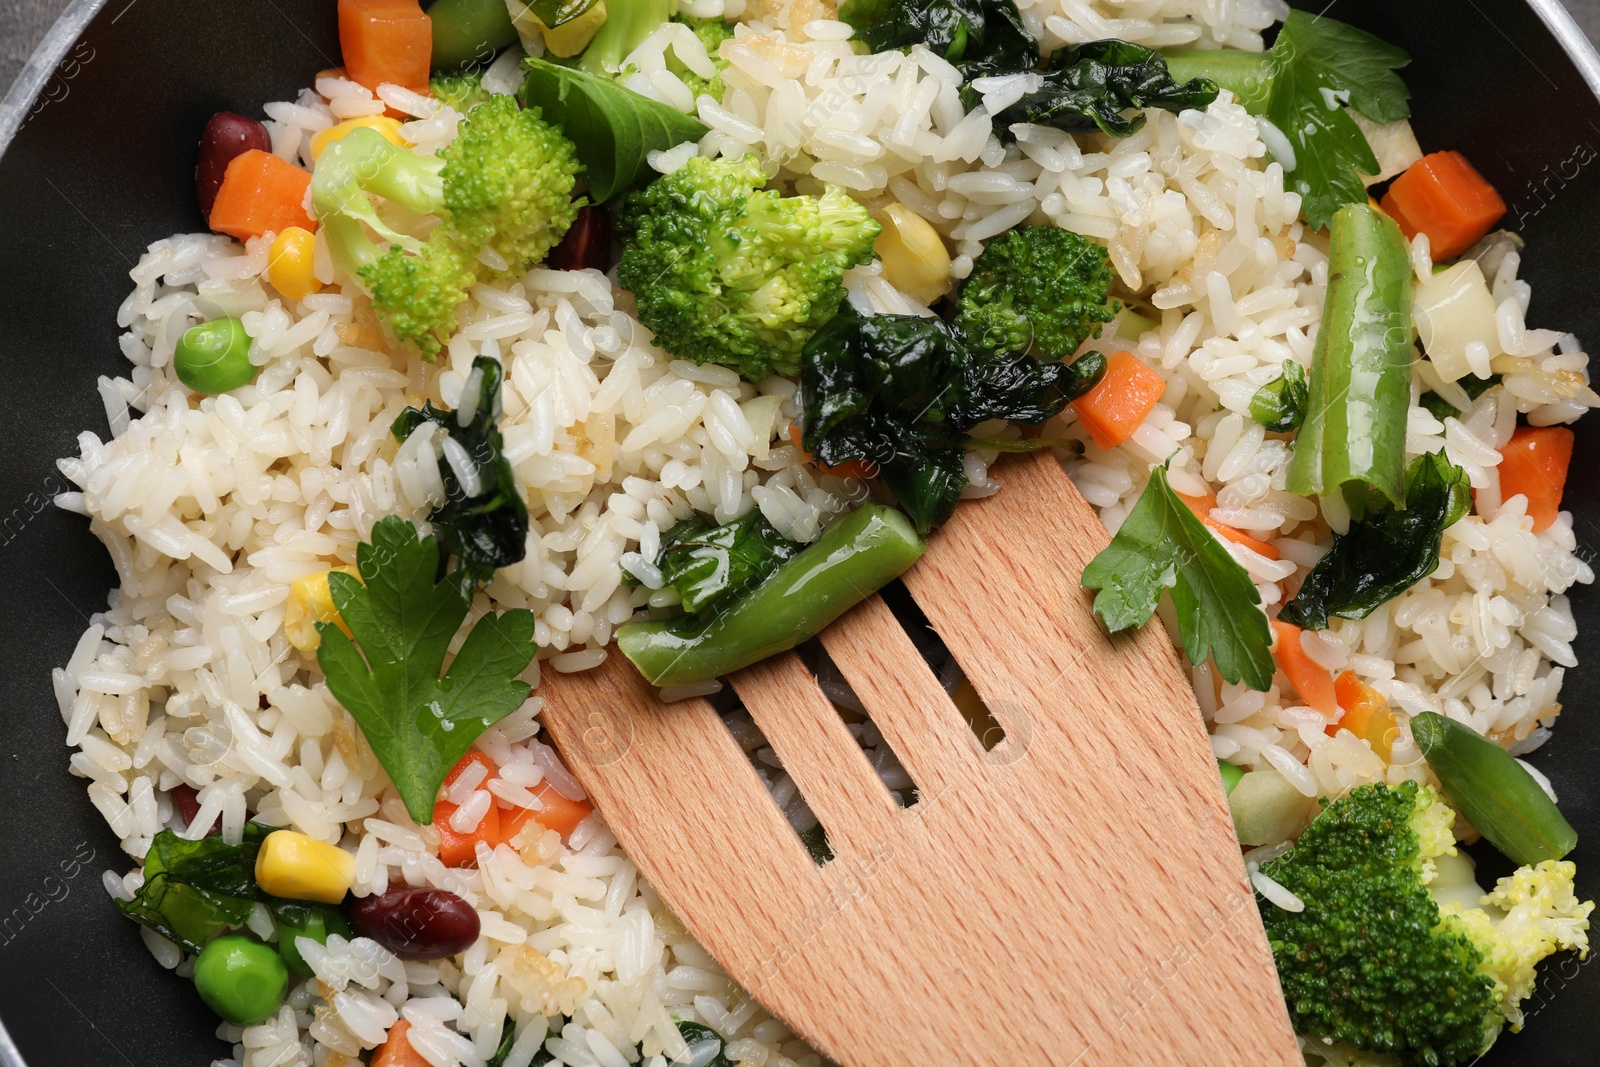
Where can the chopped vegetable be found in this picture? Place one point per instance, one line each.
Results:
(1388, 551)
(915, 260)
(1162, 545)
(1091, 87)
(396, 1051)
(1375, 959)
(1315, 68)
(902, 391)
(726, 273)
(297, 867)
(243, 980)
(483, 522)
(1280, 405)
(311, 602)
(226, 135)
(627, 24)
(1365, 713)
(385, 41)
(574, 24)
(1534, 464)
(1115, 407)
(289, 264)
(558, 813)
(1442, 196)
(1230, 775)
(214, 357)
(1267, 809)
(296, 919)
(462, 91)
(1310, 679)
(1355, 425)
(711, 566)
(615, 129)
(1495, 793)
(403, 619)
(1454, 310)
(459, 848)
(195, 890)
(504, 185)
(856, 556)
(390, 128)
(978, 36)
(469, 32)
(856, 468)
(1202, 507)
(260, 194)
(1036, 288)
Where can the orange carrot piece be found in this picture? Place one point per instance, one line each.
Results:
(1115, 407)
(1364, 713)
(458, 849)
(856, 468)
(1534, 463)
(558, 814)
(396, 1050)
(261, 193)
(1202, 505)
(386, 41)
(1442, 196)
(1310, 679)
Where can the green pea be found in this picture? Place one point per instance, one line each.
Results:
(297, 918)
(1230, 775)
(469, 32)
(241, 979)
(214, 356)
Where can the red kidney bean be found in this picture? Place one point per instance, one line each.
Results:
(187, 801)
(586, 245)
(416, 923)
(226, 135)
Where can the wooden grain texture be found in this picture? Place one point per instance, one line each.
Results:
(1073, 895)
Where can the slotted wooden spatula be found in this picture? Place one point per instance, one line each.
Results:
(1072, 896)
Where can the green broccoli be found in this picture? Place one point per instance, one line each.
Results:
(503, 188)
(724, 272)
(711, 32)
(463, 91)
(1397, 952)
(1036, 284)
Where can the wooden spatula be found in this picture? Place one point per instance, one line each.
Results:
(1073, 896)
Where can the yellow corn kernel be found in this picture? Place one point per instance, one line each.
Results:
(289, 263)
(311, 602)
(390, 128)
(915, 260)
(298, 867)
(572, 37)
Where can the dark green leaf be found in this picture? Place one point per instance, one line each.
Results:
(979, 36)
(1280, 405)
(1347, 60)
(711, 565)
(1474, 387)
(614, 129)
(816, 842)
(697, 1034)
(1090, 87)
(1162, 545)
(1384, 554)
(488, 530)
(403, 619)
(195, 890)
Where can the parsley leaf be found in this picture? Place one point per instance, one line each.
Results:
(418, 723)
(1163, 545)
(1280, 405)
(1384, 554)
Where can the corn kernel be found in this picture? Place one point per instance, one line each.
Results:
(311, 602)
(390, 128)
(572, 37)
(298, 867)
(915, 260)
(289, 263)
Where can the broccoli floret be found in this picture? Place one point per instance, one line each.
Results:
(726, 273)
(628, 23)
(711, 32)
(502, 191)
(1036, 285)
(461, 91)
(1375, 961)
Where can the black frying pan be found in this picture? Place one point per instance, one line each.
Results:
(103, 165)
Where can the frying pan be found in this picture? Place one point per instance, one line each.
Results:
(99, 139)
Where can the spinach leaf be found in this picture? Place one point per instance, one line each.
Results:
(195, 890)
(901, 391)
(1473, 386)
(1163, 545)
(614, 129)
(978, 36)
(816, 842)
(404, 619)
(1088, 87)
(1280, 405)
(711, 565)
(487, 529)
(1384, 554)
(699, 1037)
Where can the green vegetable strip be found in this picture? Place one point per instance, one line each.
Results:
(1247, 75)
(855, 556)
(1495, 792)
(1355, 423)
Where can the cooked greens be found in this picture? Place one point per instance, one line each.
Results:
(1038, 285)
(1386, 552)
(1280, 405)
(195, 890)
(978, 36)
(1088, 87)
(711, 566)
